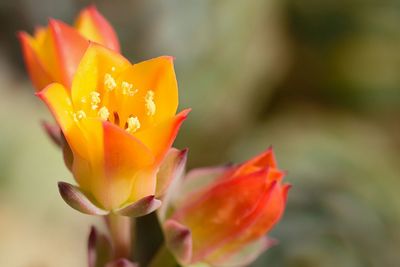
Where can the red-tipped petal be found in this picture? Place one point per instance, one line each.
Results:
(265, 159)
(91, 24)
(37, 73)
(123, 153)
(70, 47)
(160, 138)
(208, 213)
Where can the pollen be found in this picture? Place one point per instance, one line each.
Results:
(150, 104)
(95, 99)
(127, 89)
(79, 115)
(104, 113)
(112, 68)
(133, 124)
(109, 82)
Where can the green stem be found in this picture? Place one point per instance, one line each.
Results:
(163, 258)
(120, 231)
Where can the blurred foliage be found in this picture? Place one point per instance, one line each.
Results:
(318, 80)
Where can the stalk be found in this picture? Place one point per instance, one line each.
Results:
(119, 228)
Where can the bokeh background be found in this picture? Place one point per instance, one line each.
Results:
(317, 80)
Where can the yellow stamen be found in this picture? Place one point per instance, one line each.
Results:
(150, 104)
(79, 115)
(109, 82)
(103, 113)
(133, 124)
(127, 89)
(95, 99)
(83, 100)
(112, 68)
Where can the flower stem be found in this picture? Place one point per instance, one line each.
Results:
(120, 231)
(163, 258)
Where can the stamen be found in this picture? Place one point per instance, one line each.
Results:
(79, 115)
(150, 105)
(103, 113)
(133, 124)
(109, 82)
(127, 89)
(83, 100)
(112, 68)
(116, 118)
(95, 99)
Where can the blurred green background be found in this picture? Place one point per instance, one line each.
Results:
(318, 80)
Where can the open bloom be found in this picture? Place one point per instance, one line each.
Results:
(119, 122)
(220, 216)
(53, 53)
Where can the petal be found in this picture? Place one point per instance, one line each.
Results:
(83, 137)
(93, 26)
(223, 212)
(265, 159)
(123, 153)
(157, 75)
(89, 77)
(269, 213)
(127, 168)
(70, 47)
(58, 101)
(197, 180)
(160, 138)
(37, 73)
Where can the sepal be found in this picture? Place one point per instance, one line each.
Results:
(171, 168)
(99, 249)
(178, 240)
(77, 200)
(54, 132)
(121, 263)
(140, 208)
(248, 254)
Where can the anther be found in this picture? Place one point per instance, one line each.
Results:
(103, 113)
(127, 89)
(95, 99)
(133, 124)
(109, 82)
(150, 104)
(79, 115)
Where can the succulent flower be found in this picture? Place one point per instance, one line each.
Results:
(119, 122)
(220, 216)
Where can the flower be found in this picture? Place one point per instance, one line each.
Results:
(220, 216)
(119, 122)
(53, 53)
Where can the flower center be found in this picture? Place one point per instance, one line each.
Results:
(101, 107)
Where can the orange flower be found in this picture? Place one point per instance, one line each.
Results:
(119, 122)
(53, 53)
(221, 215)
